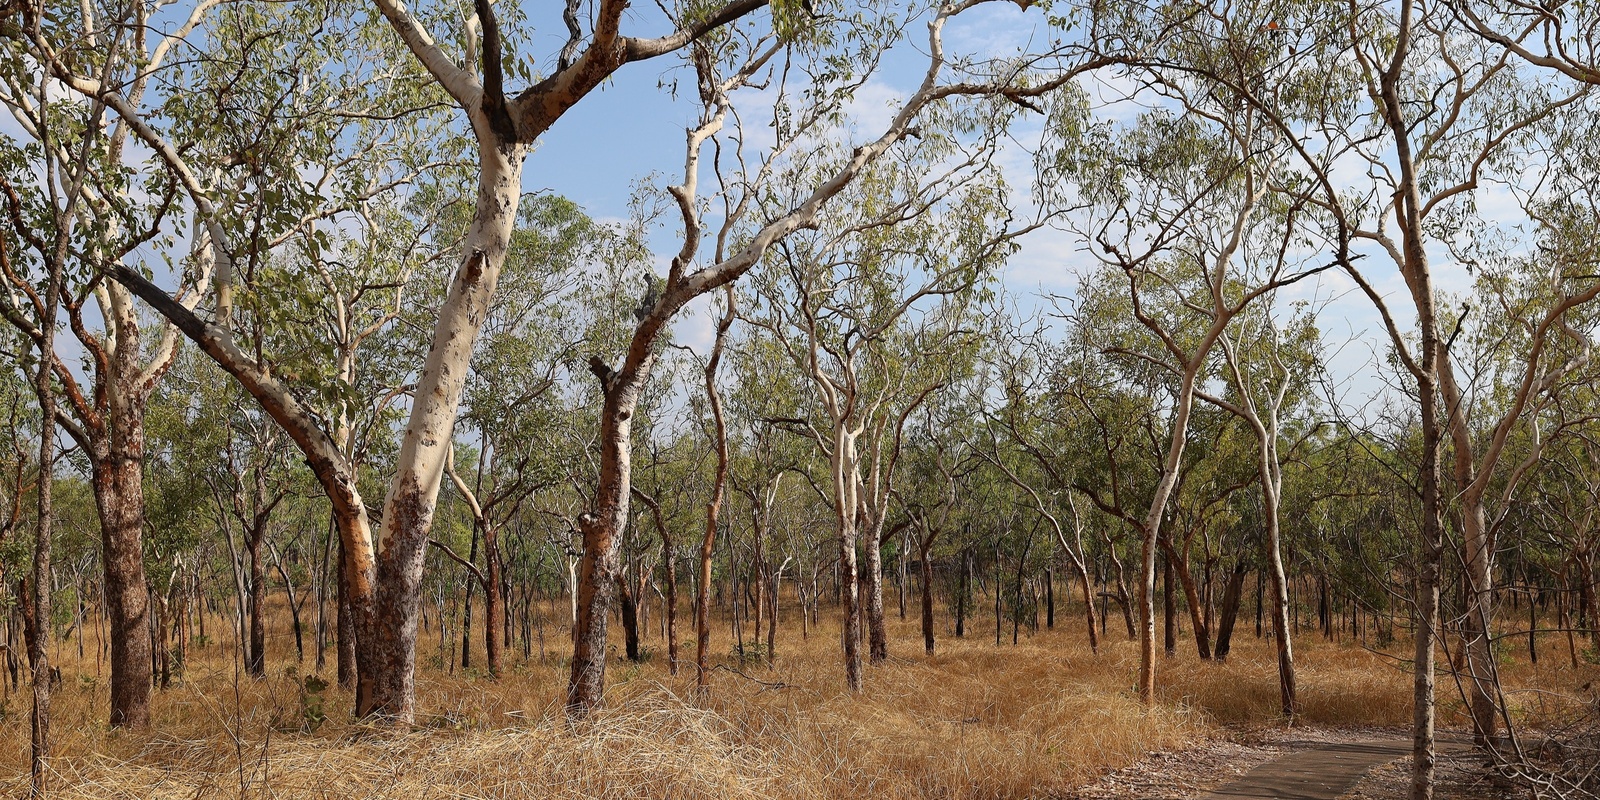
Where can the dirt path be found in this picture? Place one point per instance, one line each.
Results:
(1293, 764)
(1323, 773)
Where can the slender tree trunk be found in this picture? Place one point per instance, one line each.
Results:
(1179, 565)
(1050, 601)
(1533, 623)
(256, 664)
(1093, 624)
(757, 585)
(900, 566)
(998, 627)
(294, 618)
(1125, 602)
(1288, 698)
(38, 649)
(1260, 601)
(1169, 603)
(1482, 673)
(1586, 583)
(772, 617)
(961, 593)
(468, 579)
(1016, 612)
(927, 597)
(670, 601)
(496, 626)
(320, 587)
(161, 654)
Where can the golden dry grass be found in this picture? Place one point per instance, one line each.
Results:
(973, 721)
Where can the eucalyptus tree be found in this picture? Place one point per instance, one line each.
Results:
(940, 459)
(1112, 407)
(1173, 200)
(719, 487)
(252, 485)
(769, 465)
(1030, 442)
(1563, 529)
(878, 308)
(1532, 340)
(48, 252)
(1559, 37)
(670, 485)
(1269, 370)
(1206, 506)
(766, 460)
(17, 478)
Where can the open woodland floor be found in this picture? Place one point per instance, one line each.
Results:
(1044, 718)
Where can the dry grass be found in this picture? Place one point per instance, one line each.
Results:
(974, 721)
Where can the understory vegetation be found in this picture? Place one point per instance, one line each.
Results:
(977, 720)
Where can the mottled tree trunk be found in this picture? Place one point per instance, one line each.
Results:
(851, 634)
(344, 625)
(119, 495)
(38, 605)
(428, 437)
(872, 589)
(601, 528)
(1482, 673)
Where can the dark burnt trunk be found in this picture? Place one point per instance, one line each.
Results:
(1230, 609)
(961, 594)
(466, 605)
(927, 602)
(255, 655)
(671, 603)
(1050, 602)
(630, 620)
(496, 627)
